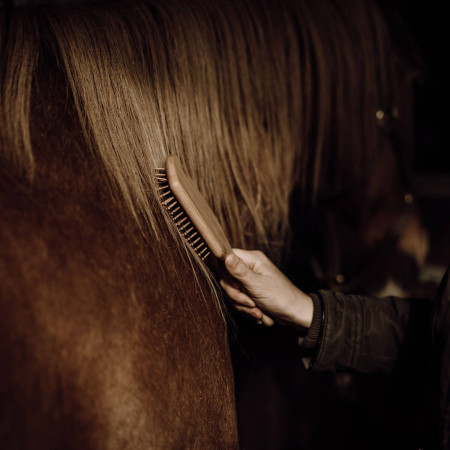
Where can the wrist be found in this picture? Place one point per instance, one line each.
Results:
(299, 311)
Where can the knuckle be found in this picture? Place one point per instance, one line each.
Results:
(232, 261)
(241, 270)
(258, 253)
(263, 257)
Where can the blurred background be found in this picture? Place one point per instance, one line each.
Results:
(429, 26)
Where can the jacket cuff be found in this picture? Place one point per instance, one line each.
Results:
(310, 343)
(312, 337)
(342, 334)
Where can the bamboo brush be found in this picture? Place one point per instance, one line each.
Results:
(192, 215)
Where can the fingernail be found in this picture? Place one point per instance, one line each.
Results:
(257, 314)
(231, 260)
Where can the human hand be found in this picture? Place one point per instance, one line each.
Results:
(258, 287)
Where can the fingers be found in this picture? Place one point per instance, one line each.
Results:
(255, 313)
(242, 302)
(239, 269)
(267, 321)
(237, 295)
(256, 260)
(252, 258)
(246, 267)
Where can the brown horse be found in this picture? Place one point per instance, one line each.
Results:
(112, 332)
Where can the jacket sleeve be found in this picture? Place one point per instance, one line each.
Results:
(372, 335)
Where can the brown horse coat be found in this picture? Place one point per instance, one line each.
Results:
(105, 342)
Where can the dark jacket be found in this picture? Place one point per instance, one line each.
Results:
(388, 335)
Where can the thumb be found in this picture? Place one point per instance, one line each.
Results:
(238, 269)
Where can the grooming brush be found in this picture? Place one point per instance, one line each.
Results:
(192, 215)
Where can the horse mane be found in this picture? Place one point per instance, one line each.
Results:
(255, 98)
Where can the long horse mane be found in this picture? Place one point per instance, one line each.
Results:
(255, 98)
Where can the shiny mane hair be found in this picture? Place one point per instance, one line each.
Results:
(255, 97)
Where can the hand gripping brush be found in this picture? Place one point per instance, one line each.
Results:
(191, 214)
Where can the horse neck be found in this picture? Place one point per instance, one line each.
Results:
(111, 335)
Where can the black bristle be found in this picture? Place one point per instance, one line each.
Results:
(179, 217)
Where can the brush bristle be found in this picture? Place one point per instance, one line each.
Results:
(179, 217)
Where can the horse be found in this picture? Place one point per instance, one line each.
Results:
(113, 331)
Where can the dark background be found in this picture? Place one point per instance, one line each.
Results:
(429, 25)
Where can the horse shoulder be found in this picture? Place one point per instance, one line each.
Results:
(103, 343)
